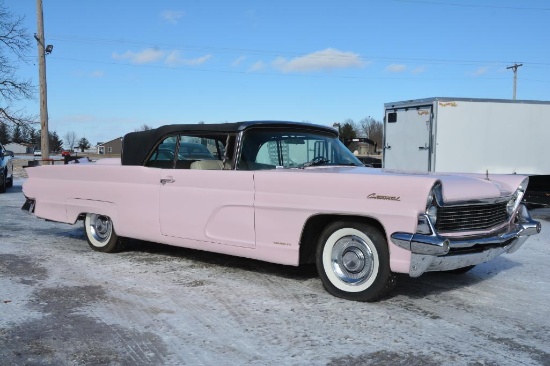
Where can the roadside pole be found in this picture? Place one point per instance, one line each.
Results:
(44, 134)
(515, 69)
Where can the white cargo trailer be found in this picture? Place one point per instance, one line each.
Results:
(484, 136)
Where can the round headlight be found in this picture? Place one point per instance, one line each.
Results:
(523, 186)
(432, 214)
(516, 198)
(512, 203)
(430, 199)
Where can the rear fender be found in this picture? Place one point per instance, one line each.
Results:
(77, 206)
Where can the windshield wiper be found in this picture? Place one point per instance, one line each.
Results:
(318, 160)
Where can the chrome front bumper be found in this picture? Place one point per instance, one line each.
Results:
(435, 253)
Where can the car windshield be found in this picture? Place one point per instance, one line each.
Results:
(277, 148)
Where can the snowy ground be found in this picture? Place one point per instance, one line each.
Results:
(62, 303)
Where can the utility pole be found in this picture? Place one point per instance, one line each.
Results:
(44, 134)
(515, 69)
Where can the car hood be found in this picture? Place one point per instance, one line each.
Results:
(458, 186)
(455, 186)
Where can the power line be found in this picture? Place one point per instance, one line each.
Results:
(107, 41)
(252, 73)
(537, 80)
(230, 50)
(473, 5)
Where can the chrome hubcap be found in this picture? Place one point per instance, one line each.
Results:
(352, 260)
(100, 227)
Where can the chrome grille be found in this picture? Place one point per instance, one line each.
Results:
(471, 217)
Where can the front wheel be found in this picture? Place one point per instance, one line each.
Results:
(9, 183)
(353, 261)
(4, 183)
(101, 234)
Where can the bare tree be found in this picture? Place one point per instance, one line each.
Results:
(14, 43)
(143, 127)
(70, 138)
(373, 129)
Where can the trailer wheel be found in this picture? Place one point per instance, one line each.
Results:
(353, 261)
(101, 234)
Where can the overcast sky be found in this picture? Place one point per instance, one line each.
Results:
(117, 65)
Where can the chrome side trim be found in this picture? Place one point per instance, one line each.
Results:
(237, 149)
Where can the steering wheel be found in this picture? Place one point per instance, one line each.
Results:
(319, 159)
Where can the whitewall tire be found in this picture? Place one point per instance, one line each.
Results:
(101, 234)
(353, 261)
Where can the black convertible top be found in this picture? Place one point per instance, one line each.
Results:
(137, 145)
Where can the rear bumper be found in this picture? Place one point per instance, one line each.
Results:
(436, 253)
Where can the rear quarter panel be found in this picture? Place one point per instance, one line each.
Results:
(128, 194)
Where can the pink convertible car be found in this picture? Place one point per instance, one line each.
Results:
(287, 193)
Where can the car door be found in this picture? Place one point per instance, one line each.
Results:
(207, 205)
(407, 139)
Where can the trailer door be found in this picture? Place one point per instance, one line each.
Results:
(407, 140)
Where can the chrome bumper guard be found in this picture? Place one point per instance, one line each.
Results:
(431, 252)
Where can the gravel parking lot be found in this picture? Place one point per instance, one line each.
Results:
(62, 303)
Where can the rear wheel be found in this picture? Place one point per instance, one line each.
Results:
(353, 261)
(101, 234)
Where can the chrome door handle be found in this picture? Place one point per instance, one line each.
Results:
(167, 180)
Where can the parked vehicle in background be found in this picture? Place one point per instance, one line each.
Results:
(467, 135)
(366, 159)
(65, 153)
(37, 152)
(287, 193)
(6, 169)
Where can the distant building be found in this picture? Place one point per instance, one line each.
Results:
(18, 148)
(110, 147)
